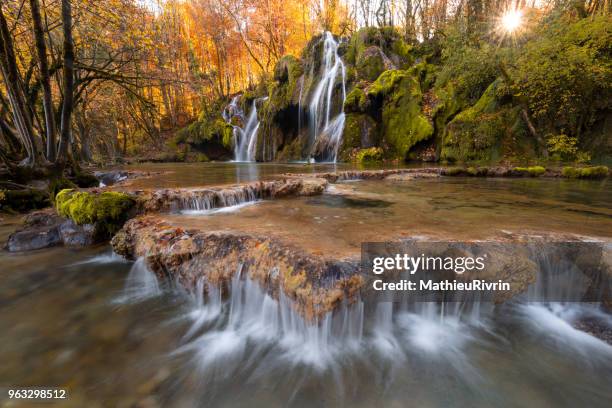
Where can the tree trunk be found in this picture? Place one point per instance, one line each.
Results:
(13, 83)
(41, 49)
(68, 71)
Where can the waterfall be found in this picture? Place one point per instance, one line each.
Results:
(245, 138)
(327, 131)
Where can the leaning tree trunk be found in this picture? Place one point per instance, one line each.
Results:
(68, 76)
(17, 101)
(41, 49)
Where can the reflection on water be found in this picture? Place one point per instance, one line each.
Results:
(61, 323)
(204, 174)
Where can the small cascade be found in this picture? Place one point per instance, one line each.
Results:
(327, 130)
(252, 322)
(141, 284)
(213, 201)
(245, 138)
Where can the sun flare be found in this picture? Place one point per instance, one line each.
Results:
(512, 20)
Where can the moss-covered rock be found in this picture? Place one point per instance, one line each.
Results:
(594, 172)
(478, 132)
(371, 155)
(59, 184)
(531, 171)
(388, 41)
(360, 131)
(356, 101)
(371, 63)
(107, 211)
(403, 122)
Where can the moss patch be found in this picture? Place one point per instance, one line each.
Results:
(371, 155)
(403, 122)
(532, 171)
(478, 132)
(594, 172)
(107, 211)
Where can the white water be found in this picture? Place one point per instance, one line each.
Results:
(221, 210)
(206, 201)
(141, 284)
(239, 334)
(327, 130)
(245, 139)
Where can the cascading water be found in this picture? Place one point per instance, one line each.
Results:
(141, 284)
(245, 139)
(327, 130)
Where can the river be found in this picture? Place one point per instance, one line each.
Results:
(70, 317)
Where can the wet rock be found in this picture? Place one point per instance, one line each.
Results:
(411, 176)
(108, 178)
(314, 284)
(217, 197)
(72, 234)
(44, 229)
(32, 238)
(333, 177)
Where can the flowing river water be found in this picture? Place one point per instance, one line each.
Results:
(105, 329)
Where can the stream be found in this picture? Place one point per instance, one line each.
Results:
(113, 335)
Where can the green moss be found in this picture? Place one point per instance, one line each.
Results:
(532, 171)
(403, 123)
(594, 172)
(58, 184)
(107, 211)
(478, 132)
(387, 82)
(356, 101)
(373, 154)
(201, 158)
(370, 64)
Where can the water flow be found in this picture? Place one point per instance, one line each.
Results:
(245, 139)
(327, 131)
(141, 284)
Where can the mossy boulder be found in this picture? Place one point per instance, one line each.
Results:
(371, 155)
(356, 101)
(360, 131)
(59, 184)
(371, 63)
(594, 172)
(107, 211)
(479, 132)
(403, 123)
(389, 44)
